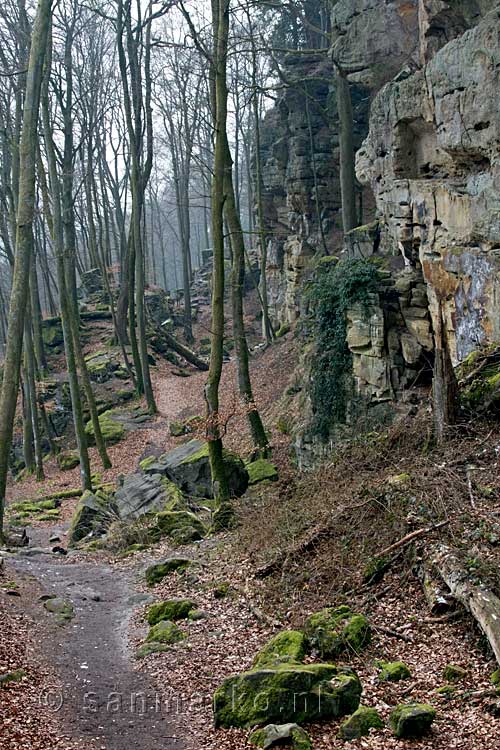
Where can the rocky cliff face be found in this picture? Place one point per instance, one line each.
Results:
(299, 152)
(431, 159)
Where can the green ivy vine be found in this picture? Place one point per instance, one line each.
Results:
(333, 291)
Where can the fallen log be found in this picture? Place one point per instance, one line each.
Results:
(411, 537)
(436, 593)
(480, 601)
(184, 351)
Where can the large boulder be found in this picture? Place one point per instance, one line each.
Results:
(52, 334)
(285, 647)
(94, 514)
(336, 630)
(188, 466)
(146, 493)
(286, 693)
(112, 430)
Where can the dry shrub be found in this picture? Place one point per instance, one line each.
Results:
(123, 534)
(371, 493)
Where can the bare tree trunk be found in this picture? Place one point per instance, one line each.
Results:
(259, 436)
(220, 20)
(24, 241)
(55, 223)
(346, 138)
(444, 383)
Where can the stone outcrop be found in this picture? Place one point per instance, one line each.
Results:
(372, 41)
(430, 161)
(300, 173)
(431, 158)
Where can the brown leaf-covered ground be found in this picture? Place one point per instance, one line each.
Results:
(225, 640)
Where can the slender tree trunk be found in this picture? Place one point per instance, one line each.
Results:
(224, 512)
(30, 370)
(24, 241)
(346, 139)
(55, 223)
(444, 384)
(267, 327)
(28, 446)
(259, 436)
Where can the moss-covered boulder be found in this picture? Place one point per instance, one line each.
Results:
(412, 720)
(173, 609)
(112, 431)
(453, 673)
(151, 648)
(336, 630)
(157, 572)
(286, 647)
(172, 522)
(393, 671)
(93, 515)
(360, 723)
(260, 471)
(222, 589)
(289, 693)
(68, 460)
(101, 366)
(188, 466)
(185, 535)
(281, 735)
(166, 632)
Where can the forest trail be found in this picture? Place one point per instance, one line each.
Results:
(102, 700)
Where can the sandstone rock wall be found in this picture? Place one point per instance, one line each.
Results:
(432, 158)
(299, 151)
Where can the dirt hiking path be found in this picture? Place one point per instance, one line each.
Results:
(102, 700)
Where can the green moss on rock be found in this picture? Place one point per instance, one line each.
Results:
(169, 522)
(222, 590)
(151, 648)
(333, 631)
(360, 723)
(147, 462)
(155, 573)
(274, 735)
(495, 677)
(261, 470)
(288, 646)
(446, 690)
(454, 673)
(93, 514)
(393, 671)
(412, 720)
(173, 609)
(68, 460)
(62, 608)
(112, 431)
(288, 692)
(165, 631)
